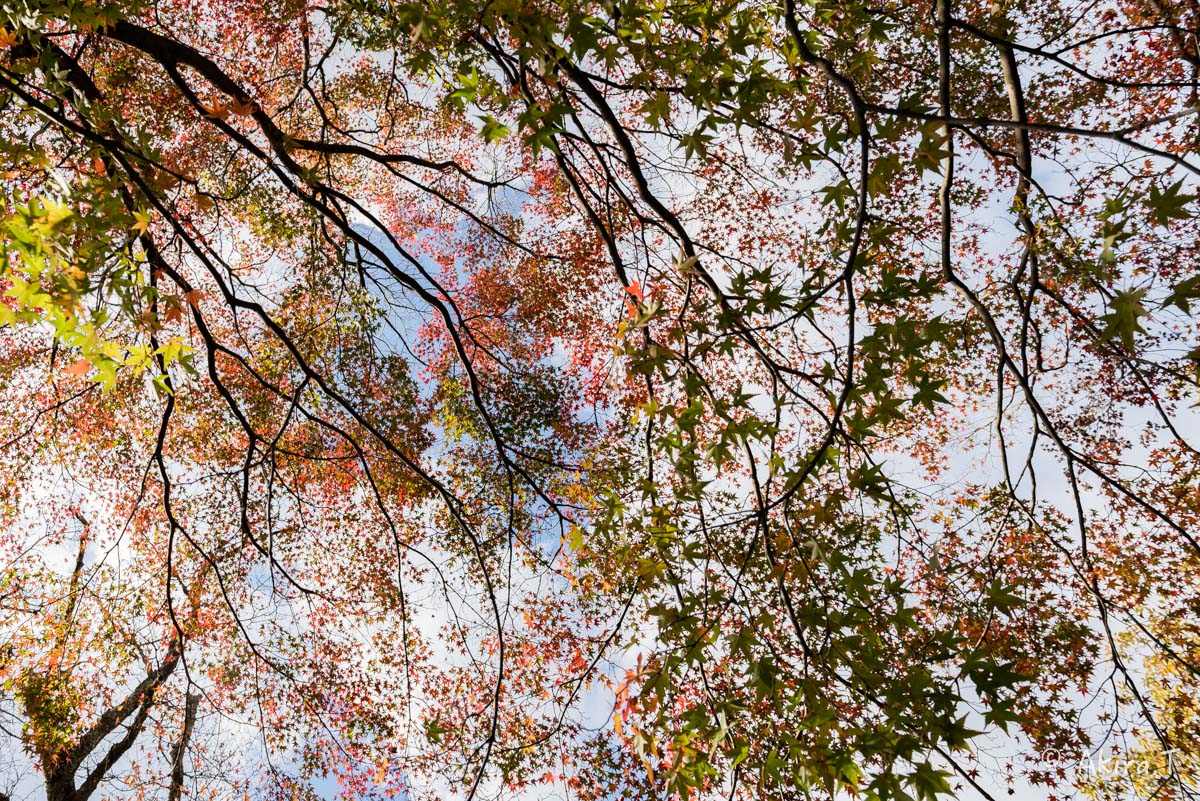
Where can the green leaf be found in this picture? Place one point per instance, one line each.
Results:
(1122, 321)
(1002, 597)
(1184, 292)
(493, 130)
(434, 730)
(929, 782)
(1168, 204)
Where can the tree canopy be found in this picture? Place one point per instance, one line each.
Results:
(697, 399)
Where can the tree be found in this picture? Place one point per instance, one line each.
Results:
(624, 398)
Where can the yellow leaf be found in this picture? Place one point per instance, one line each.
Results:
(54, 213)
(142, 222)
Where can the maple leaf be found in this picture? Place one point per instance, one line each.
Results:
(1168, 204)
(217, 111)
(141, 222)
(242, 109)
(79, 367)
(1182, 293)
(751, 519)
(1123, 320)
(493, 130)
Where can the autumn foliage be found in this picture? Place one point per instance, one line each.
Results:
(591, 400)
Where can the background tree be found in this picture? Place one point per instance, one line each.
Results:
(718, 399)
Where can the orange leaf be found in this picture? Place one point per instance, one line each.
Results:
(216, 112)
(80, 367)
(242, 109)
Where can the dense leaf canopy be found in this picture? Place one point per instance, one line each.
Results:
(748, 399)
